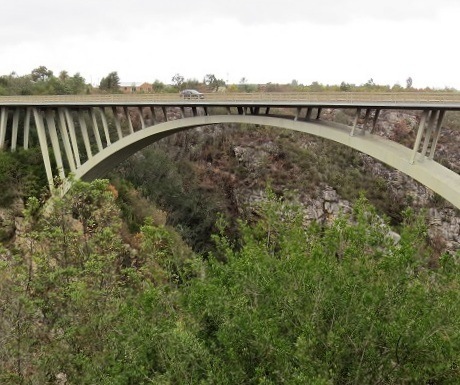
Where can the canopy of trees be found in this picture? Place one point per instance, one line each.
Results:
(42, 81)
(285, 304)
(110, 83)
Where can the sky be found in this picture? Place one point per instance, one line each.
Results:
(328, 41)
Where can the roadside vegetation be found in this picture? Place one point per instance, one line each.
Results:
(42, 80)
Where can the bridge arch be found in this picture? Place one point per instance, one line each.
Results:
(433, 175)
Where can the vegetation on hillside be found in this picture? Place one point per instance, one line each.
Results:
(283, 304)
(196, 175)
(22, 175)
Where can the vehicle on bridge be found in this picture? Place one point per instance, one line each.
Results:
(191, 94)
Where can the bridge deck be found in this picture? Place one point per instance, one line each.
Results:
(402, 100)
(88, 133)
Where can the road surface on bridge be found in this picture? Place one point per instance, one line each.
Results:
(389, 100)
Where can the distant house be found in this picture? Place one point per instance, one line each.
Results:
(136, 88)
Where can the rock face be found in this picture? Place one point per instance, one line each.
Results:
(401, 126)
(260, 157)
(445, 225)
(10, 220)
(325, 203)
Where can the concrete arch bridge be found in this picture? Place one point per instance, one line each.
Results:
(90, 134)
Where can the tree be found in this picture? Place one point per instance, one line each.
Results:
(345, 86)
(244, 86)
(41, 74)
(111, 83)
(369, 84)
(339, 305)
(316, 86)
(178, 80)
(191, 83)
(213, 83)
(63, 76)
(409, 83)
(77, 83)
(158, 86)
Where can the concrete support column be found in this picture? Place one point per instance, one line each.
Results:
(431, 124)
(130, 122)
(65, 138)
(297, 113)
(55, 142)
(194, 111)
(152, 110)
(97, 135)
(376, 116)
(117, 122)
(240, 110)
(27, 128)
(182, 112)
(206, 113)
(355, 122)
(105, 126)
(308, 114)
(165, 113)
(3, 121)
(318, 115)
(14, 134)
(39, 124)
(84, 133)
(421, 128)
(229, 111)
(267, 111)
(437, 133)
(141, 117)
(366, 119)
(73, 136)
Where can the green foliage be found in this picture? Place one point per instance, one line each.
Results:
(164, 247)
(22, 175)
(42, 81)
(178, 81)
(158, 86)
(41, 74)
(134, 207)
(110, 83)
(174, 187)
(213, 83)
(296, 305)
(343, 307)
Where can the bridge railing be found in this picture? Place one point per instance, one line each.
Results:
(347, 97)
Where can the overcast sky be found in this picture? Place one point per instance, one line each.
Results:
(328, 41)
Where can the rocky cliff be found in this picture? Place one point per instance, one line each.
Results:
(323, 177)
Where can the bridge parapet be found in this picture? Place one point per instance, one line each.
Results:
(285, 98)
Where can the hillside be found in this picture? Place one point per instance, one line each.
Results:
(84, 302)
(198, 173)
